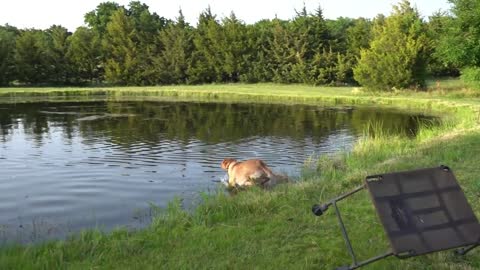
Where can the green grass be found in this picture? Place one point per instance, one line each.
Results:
(259, 229)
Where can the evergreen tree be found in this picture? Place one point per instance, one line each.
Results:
(172, 62)
(397, 54)
(258, 61)
(120, 40)
(338, 33)
(147, 27)
(358, 36)
(235, 48)
(329, 68)
(313, 42)
(302, 45)
(204, 65)
(57, 54)
(319, 34)
(287, 51)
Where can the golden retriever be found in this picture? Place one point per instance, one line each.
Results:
(249, 173)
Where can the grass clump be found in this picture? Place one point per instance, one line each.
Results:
(471, 77)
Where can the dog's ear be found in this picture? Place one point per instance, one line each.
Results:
(227, 162)
(224, 164)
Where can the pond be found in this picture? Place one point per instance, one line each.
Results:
(71, 166)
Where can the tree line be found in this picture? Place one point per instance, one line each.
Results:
(130, 45)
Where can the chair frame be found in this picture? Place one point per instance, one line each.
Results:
(320, 209)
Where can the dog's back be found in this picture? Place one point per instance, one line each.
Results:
(251, 172)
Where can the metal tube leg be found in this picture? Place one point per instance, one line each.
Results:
(464, 251)
(345, 235)
(363, 263)
(318, 209)
(371, 260)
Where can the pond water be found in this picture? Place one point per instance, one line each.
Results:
(71, 166)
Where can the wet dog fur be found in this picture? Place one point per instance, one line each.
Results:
(252, 172)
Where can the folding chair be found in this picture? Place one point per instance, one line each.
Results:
(422, 211)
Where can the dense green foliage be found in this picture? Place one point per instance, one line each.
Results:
(7, 48)
(471, 76)
(130, 45)
(397, 53)
(460, 45)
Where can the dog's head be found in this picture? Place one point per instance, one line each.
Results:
(226, 162)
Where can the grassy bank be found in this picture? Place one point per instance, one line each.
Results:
(275, 229)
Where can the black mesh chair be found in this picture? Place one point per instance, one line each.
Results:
(422, 211)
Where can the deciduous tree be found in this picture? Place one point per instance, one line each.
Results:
(31, 58)
(85, 55)
(7, 56)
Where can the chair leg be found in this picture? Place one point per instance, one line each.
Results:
(363, 263)
(465, 250)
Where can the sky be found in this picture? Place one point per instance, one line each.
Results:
(41, 14)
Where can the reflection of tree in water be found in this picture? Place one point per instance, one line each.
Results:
(150, 122)
(6, 124)
(34, 124)
(36, 119)
(213, 123)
